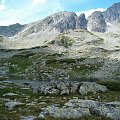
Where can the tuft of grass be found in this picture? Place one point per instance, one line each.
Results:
(65, 41)
(22, 64)
(84, 69)
(110, 84)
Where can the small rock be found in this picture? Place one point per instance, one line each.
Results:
(10, 94)
(36, 90)
(11, 105)
(28, 118)
(65, 91)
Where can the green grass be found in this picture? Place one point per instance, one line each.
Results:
(22, 64)
(110, 84)
(84, 69)
(65, 41)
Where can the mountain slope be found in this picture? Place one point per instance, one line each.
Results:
(11, 30)
(108, 20)
(96, 22)
(112, 14)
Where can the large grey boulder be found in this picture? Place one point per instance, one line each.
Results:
(68, 113)
(82, 103)
(91, 87)
(96, 22)
(110, 110)
(74, 87)
(77, 108)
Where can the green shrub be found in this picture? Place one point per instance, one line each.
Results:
(65, 41)
(67, 60)
(110, 84)
(51, 61)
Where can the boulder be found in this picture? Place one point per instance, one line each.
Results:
(91, 87)
(65, 91)
(74, 87)
(67, 113)
(54, 91)
(10, 105)
(110, 110)
(61, 86)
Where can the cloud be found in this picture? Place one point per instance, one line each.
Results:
(29, 12)
(38, 2)
(56, 8)
(2, 6)
(2, 1)
(89, 12)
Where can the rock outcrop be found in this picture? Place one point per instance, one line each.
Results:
(81, 22)
(67, 88)
(76, 108)
(96, 22)
(68, 113)
(57, 23)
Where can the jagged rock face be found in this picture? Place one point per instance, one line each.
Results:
(112, 14)
(59, 22)
(96, 22)
(66, 21)
(11, 30)
(56, 23)
(81, 22)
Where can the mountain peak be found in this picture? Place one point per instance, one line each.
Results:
(112, 14)
(96, 22)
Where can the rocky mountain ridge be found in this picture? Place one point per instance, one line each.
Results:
(11, 30)
(64, 21)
